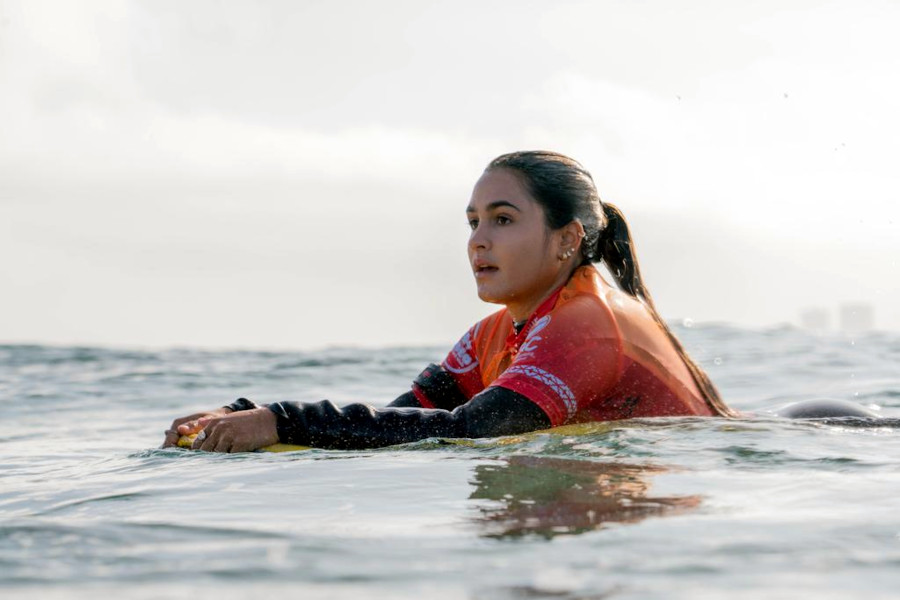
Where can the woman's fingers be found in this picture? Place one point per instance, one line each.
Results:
(202, 439)
(240, 432)
(179, 422)
(171, 439)
(214, 438)
(173, 434)
(190, 425)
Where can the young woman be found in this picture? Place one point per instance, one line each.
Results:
(567, 348)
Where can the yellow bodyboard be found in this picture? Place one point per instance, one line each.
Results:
(185, 441)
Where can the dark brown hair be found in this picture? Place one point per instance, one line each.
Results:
(566, 192)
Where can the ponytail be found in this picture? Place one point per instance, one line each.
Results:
(616, 249)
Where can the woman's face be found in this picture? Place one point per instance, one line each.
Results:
(512, 251)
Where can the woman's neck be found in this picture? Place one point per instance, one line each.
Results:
(521, 313)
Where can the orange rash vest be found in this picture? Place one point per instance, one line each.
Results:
(589, 353)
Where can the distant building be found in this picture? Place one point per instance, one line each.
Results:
(815, 320)
(857, 317)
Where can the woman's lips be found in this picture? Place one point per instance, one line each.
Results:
(484, 270)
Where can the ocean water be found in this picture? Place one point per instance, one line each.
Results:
(668, 508)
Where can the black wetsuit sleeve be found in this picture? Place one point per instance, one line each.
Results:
(242, 404)
(496, 411)
(407, 400)
(438, 386)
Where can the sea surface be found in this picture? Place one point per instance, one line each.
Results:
(760, 507)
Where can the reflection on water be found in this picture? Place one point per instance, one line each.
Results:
(560, 496)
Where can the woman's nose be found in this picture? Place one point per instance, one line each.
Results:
(478, 238)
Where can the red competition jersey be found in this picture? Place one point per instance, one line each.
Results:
(589, 353)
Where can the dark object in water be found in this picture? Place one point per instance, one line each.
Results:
(823, 409)
(836, 412)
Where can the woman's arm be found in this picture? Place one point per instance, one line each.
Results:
(496, 411)
(407, 400)
(433, 388)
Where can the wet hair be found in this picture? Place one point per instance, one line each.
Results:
(566, 192)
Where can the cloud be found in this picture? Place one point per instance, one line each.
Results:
(192, 162)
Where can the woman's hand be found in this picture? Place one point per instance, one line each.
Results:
(190, 425)
(242, 431)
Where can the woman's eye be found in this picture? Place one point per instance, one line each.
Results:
(473, 224)
(502, 220)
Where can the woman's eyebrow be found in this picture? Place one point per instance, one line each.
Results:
(494, 205)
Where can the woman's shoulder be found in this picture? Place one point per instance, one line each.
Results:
(603, 309)
(616, 313)
(587, 292)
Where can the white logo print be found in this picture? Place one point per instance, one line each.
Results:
(531, 341)
(462, 353)
(559, 387)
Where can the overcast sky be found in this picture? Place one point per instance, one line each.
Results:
(294, 173)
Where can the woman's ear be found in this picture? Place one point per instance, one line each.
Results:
(570, 238)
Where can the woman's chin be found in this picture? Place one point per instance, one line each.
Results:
(487, 295)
